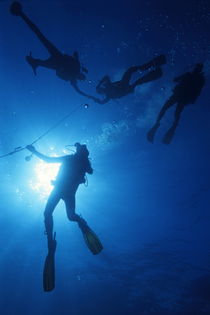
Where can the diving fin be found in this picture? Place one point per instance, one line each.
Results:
(169, 135)
(32, 62)
(150, 76)
(49, 267)
(152, 131)
(91, 239)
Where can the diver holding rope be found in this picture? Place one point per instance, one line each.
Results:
(70, 176)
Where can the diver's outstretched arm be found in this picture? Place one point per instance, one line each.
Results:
(170, 102)
(16, 9)
(43, 157)
(170, 133)
(95, 99)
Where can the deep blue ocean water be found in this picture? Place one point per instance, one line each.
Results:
(148, 203)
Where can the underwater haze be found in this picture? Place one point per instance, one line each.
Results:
(148, 202)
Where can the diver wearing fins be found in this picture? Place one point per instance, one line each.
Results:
(67, 67)
(117, 89)
(114, 90)
(49, 267)
(71, 174)
(188, 88)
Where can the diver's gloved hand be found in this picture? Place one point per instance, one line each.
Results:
(31, 148)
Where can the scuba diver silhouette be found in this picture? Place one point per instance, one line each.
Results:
(185, 92)
(71, 174)
(118, 89)
(67, 67)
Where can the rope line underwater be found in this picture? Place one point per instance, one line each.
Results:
(20, 148)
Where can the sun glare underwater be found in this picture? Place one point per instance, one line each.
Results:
(43, 175)
(130, 80)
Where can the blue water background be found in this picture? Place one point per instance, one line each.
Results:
(148, 203)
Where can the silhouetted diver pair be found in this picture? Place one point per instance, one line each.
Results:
(68, 68)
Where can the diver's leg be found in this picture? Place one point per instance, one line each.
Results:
(170, 133)
(70, 208)
(178, 111)
(49, 63)
(151, 76)
(155, 62)
(49, 266)
(48, 218)
(91, 239)
(49, 46)
(151, 133)
(127, 75)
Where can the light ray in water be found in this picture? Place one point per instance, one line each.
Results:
(44, 174)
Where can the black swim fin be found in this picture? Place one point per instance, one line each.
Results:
(152, 131)
(32, 62)
(169, 135)
(91, 239)
(49, 267)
